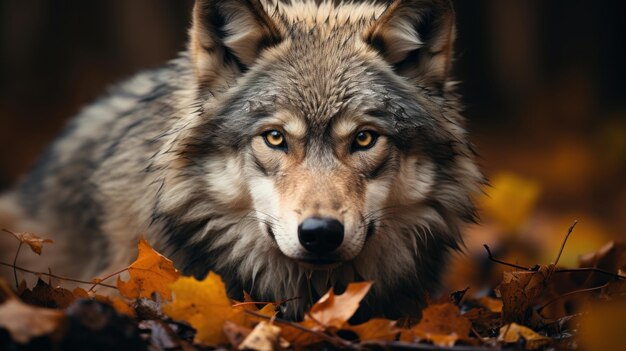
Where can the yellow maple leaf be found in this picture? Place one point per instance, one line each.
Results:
(150, 273)
(205, 305)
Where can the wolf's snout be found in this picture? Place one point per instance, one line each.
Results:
(320, 235)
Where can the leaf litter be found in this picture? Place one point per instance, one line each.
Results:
(159, 309)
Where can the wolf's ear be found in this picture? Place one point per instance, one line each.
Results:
(416, 37)
(227, 32)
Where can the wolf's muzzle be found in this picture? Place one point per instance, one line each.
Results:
(320, 235)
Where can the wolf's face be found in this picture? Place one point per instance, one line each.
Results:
(330, 157)
(333, 128)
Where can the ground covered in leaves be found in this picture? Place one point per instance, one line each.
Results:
(505, 305)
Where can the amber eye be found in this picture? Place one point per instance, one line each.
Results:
(275, 139)
(364, 140)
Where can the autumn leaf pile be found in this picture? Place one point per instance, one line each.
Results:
(151, 306)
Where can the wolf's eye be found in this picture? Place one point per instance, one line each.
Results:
(364, 140)
(275, 139)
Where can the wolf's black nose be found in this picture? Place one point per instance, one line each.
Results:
(320, 235)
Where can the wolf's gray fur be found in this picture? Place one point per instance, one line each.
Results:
(171, 155)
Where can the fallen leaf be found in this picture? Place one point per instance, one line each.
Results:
(235, 333)
(122, 306)
(264, 337)
(611, 257)
(443, 325)
(484, 321)
(375, 329)
(150, 273)
(334, 310)
(520, 290)
(513, 333)
(44, 295)
(25, 322)
(80, 293)
(205, 305)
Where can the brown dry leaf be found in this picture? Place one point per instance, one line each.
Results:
(26, 322)
(235, 333)
(80, 293)
(32, 240)
(443, 325)
(520, 290)
(611, 257)
(335, 310)
(264, 337)
(205, 305)
(512, 333)
(44, 295)
(483, 320)
(602, 327)
(150, 273)
(300, 337)
(375, 329)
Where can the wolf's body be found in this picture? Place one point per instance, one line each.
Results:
(181, 156)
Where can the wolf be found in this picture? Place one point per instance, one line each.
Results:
(296, 146)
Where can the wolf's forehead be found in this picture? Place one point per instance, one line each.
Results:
(313, 13)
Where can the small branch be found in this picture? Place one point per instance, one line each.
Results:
(248, 303)
(505, 263)
(569, 231)
(12, 233)
(591, 269)
(559, 270)
(53, 275)
(569, 294)
(17, 253)
(98, 281)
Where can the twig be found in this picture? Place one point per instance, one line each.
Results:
(53, 275)
(12, 233)
(560, 270)
(98, 281)
(332, 339)
(504, 262)
(590, 269)
(569, 294)
(569, 231)
(248, 303)
(17, 253)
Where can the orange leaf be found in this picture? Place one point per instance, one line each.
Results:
(150, 273)
(443, 325)
(375, 329)
(335, 310)
(205, 305)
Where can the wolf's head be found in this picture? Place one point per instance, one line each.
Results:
(333, 128)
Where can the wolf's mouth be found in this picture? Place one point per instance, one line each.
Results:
(320, 262)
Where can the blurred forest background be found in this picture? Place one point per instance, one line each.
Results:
(544, 83)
